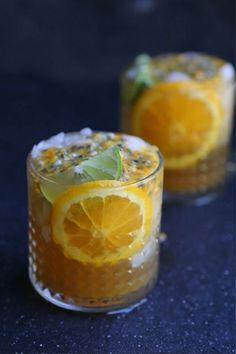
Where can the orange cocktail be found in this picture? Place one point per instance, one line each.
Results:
(94, 219)
(182, 103)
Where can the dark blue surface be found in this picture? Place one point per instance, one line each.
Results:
(93, 39)
(192, 308)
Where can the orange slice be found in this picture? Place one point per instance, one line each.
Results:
(182, 118)
(101, 221)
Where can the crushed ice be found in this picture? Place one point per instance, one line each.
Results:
(82, 137)
(86, 131)
(78, 169)
(61, 140)
(134, 143)
(227, 71)
(177, 76)
(145, 254)
(54, 141)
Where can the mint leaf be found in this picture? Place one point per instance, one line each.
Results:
(143, 79)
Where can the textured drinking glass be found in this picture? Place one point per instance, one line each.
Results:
(58, 272)
(183, 103)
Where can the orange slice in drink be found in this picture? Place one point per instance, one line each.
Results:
(101, 221)
(182, 118)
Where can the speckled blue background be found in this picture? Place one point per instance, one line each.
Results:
(59, 72)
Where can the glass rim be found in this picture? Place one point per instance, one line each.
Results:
(146, 178)
(230, 81)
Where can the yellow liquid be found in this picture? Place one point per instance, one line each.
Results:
(207, 174)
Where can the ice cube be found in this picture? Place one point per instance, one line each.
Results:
(86, 131)
(177, 76)
(134, 143)
(227, 71)
(78, 169)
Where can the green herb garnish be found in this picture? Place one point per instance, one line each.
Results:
(143, 79)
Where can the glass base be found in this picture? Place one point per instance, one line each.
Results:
(129, 302)
(200, 195)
